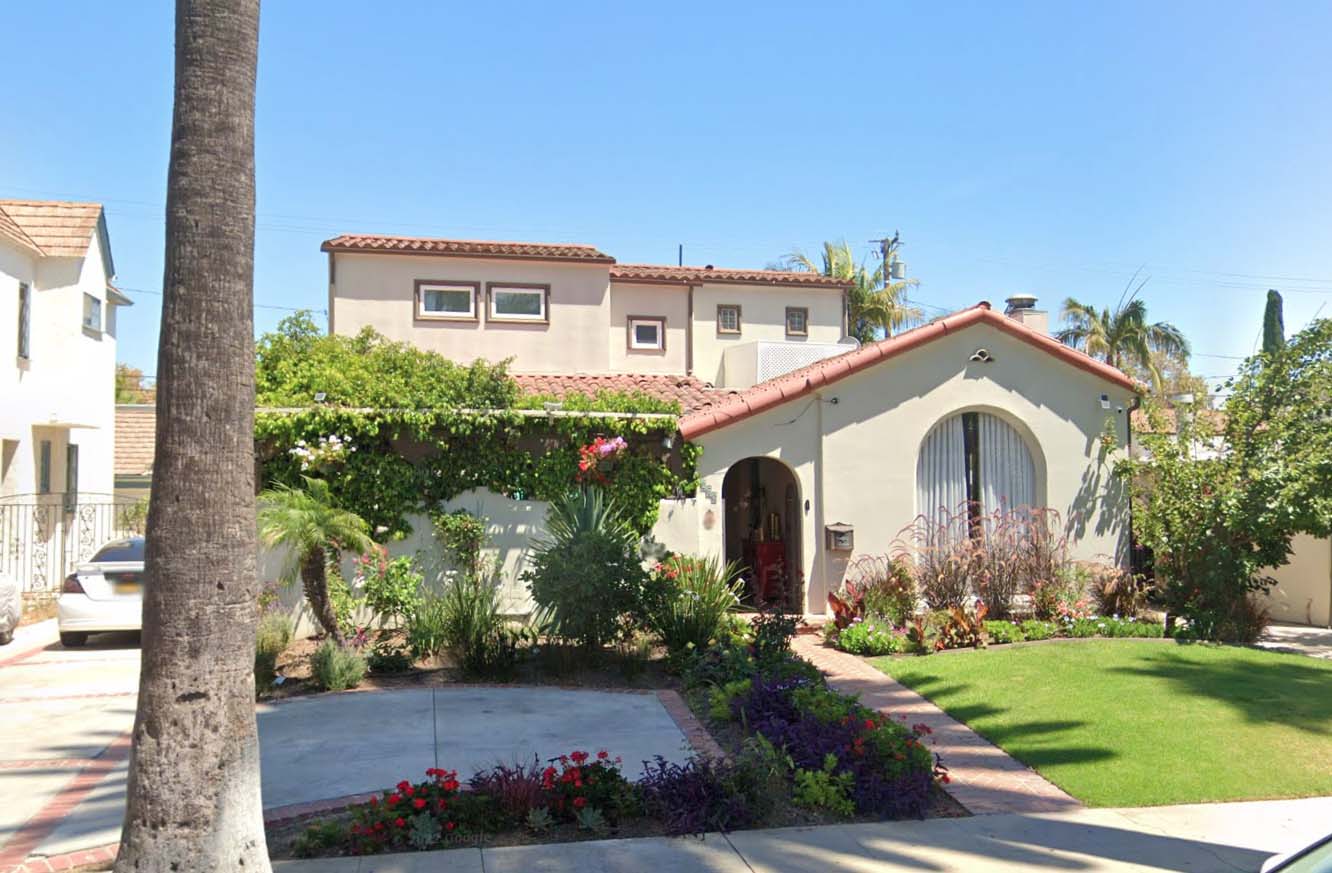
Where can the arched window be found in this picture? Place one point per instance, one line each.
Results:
(977, 459)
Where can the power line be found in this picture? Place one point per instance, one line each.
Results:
(256, 306)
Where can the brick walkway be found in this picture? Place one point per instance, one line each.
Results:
(983, 777)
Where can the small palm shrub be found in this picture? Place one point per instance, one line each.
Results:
(314, 530)
(337, 668)
(701, 593)
(271, 638)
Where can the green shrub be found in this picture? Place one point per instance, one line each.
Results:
(271, 638)
(721, 697)
(1063, 595)
(320, 839)
(343, 602)
(391, 589)
(337, 668)
(426, 628)
(1114, 627)
(386, 657)
(1035, 629)
(1004, 632)
(823, 704)
(773, 631)
(702, 593)
(587, 573)
(463, 536)
(871, 637)
(825, 789)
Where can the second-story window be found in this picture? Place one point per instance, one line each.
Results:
(25, 321)
(647, 333)
(728, 318)
(92, 313)
(446, 300)
(797, 321)
(518, 302)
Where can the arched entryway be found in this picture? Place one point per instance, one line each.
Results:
(762, 530)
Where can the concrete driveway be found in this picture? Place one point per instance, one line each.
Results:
(66, 717)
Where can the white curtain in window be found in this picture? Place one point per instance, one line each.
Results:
(1007, 474)
(941, 471)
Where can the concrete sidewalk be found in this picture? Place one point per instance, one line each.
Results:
(1203, 838)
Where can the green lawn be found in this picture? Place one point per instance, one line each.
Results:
(1135, 723)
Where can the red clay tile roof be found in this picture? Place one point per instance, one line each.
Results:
(411, 245)
(798, 383)
(689, 392)
(136, 432)
(50, 227)
(699, 275)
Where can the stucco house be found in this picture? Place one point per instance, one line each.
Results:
(57, 383)
(814, 449)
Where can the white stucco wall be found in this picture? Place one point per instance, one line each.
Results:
(863, 470)
(762, 317)
(379, 291)
(1303, 593)
(65, 392)
(665, 301)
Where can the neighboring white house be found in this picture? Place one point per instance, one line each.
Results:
(57, 378)
(814, 450)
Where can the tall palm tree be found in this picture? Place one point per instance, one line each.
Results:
(1123, 337)
(192, 800)
(315, 532)
(872, 305)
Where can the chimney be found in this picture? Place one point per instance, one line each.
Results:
(1022, 309)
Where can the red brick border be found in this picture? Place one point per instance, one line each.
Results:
(984, 778)
(697, 735)
(48, 818)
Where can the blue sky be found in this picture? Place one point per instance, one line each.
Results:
(1051, 149)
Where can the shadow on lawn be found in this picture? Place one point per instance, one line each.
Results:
(1289, 690)
(1017, 738)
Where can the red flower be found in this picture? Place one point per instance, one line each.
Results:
(399, 822)
(603, 755)
(580, 802)
(448, 825)
(578, 757)
(404, 785)
(869, 724)
(419, 803)
(374, 801)
(379, 825)
(442, 804)
(393, 799)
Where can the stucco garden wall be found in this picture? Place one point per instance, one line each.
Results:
(1303, 593)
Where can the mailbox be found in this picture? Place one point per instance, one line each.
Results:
(840, 537)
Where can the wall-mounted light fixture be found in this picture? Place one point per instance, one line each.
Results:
(1105, 401)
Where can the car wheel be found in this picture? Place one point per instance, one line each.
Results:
(73, 640)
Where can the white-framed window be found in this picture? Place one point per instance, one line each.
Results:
(92, 313)
(446, 300)
(647, 333)
(797, 321)
(518, 301)
(728, 318)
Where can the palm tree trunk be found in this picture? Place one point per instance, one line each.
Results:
(314, 579)
(193, 793)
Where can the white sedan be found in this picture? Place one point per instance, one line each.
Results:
(105, 594)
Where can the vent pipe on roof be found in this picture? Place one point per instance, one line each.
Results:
(1022, 309)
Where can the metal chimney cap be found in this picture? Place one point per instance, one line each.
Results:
(1020, 301)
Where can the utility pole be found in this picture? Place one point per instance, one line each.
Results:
(893, 268)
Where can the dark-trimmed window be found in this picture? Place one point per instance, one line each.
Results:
(518, 302)
(728, 318)
(797, 321)
(25, 321)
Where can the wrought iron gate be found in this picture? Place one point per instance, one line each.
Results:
(43, 537)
